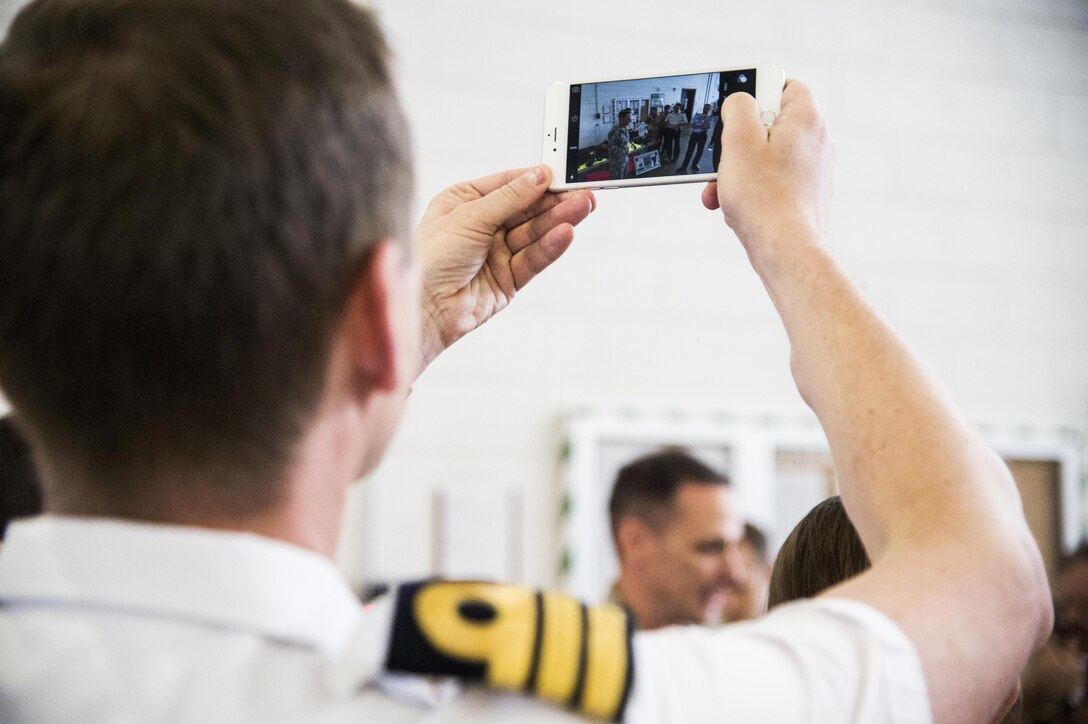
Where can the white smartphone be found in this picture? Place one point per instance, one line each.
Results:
(641, 131)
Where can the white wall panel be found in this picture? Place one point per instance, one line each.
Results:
(960, 208)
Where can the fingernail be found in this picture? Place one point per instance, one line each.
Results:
(535, 176)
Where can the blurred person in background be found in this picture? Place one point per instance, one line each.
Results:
(677, 533)
(1055, 679)
(746, 598)
(824, 550)
(821, 551)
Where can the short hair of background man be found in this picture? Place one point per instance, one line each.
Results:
(646, 488)
(181, 224)
(757, 541)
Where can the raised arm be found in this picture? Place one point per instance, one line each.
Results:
(953, 561)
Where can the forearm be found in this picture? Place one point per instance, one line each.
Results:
(893, 433)
(954, 563)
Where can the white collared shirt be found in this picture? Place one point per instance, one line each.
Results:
(111, 621)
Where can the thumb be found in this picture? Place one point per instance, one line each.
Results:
(710, 196)
(740, 119)
(512, 199)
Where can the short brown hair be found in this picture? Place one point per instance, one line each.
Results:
(646, 487)
(757, 541)
(823, 550)
(188, 187)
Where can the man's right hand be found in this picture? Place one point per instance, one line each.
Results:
(771, 181)
(482, 241)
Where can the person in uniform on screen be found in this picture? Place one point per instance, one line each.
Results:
(619, 145)
(655, 124)
(700, 124)
(674, 124)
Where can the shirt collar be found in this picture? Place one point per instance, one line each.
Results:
(229, 579)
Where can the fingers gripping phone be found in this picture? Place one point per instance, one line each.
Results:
(641, 131)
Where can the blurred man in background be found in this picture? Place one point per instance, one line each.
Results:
(677, 534)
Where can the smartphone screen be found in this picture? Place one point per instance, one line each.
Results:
(649, 127)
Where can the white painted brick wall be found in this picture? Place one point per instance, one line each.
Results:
(961, 206)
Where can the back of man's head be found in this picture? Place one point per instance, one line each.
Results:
(188, 188)
(646, 487)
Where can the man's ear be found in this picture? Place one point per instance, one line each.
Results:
(371, 319)
(632, 535)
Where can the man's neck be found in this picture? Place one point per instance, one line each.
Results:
(301, 525)
(304, 508)
(639, 603)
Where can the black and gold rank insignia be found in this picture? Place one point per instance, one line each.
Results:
(546, 644)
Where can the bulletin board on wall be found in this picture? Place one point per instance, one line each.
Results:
(639, 107)
(779, 469)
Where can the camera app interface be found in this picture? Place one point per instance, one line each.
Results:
(646, 127)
